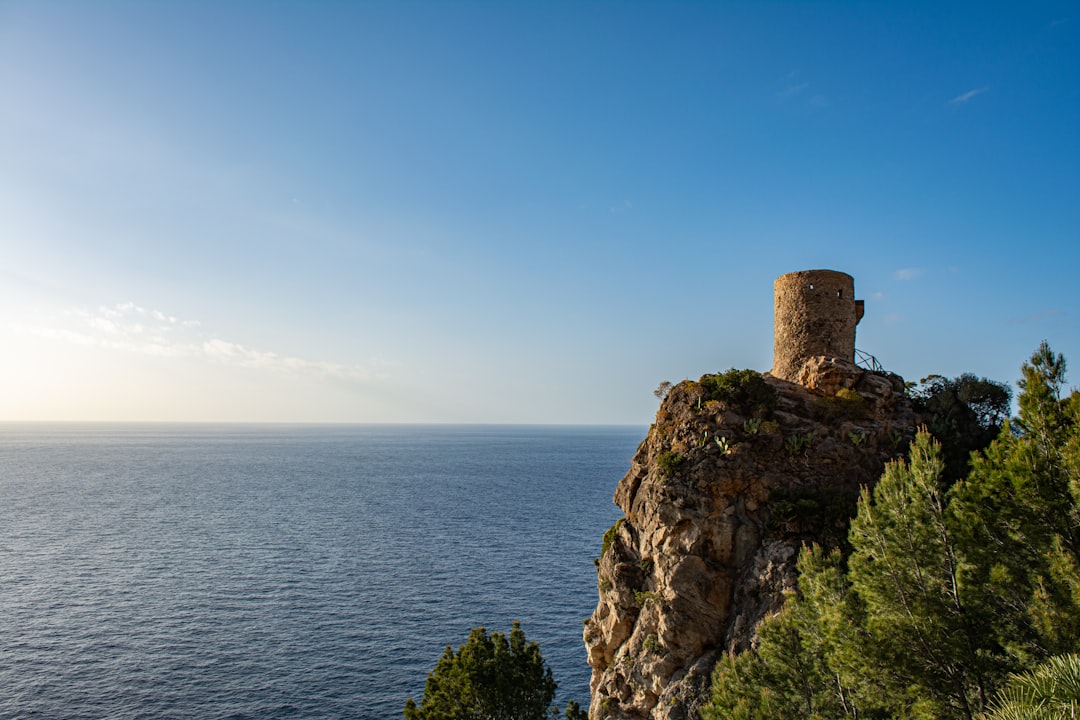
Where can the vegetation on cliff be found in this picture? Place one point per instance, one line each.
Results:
(964, 413)
(738, 471)
(959, 593)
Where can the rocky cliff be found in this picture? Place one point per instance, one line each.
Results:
(738, 471)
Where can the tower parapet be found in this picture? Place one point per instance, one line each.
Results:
(815, 313)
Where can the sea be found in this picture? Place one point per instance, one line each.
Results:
(271, 571)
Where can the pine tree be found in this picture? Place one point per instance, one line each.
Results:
(904, 567)
(490, 677)
(809, 661)
(1019, 515)
(837, 632)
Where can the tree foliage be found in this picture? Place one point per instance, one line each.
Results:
(1050, 691)
(490, 677)
(662, 390)
(964, 413)
(1019, 510)
(953, 585)
(799, 668)
(904, 566)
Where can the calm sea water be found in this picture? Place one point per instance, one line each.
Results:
(287, 572)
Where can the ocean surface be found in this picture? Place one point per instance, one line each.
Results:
(201, 571)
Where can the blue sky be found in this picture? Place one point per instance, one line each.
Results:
(516, 212)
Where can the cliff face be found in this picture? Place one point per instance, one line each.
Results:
(718, 500)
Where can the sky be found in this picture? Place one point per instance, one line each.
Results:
(528, 212)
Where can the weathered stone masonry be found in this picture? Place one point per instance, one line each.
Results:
(815, 314)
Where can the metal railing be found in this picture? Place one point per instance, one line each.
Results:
(868, 361)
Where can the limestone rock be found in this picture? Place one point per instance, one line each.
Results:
(717, 502)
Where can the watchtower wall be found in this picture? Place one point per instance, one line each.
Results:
(815, 313)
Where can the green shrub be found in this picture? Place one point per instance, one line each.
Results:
(668, 462)
(846, 404)
(643, 596)
(849, 395)
(744, 389)
(609, 536)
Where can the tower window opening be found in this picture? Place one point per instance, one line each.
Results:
(839, 293)
(811, 286)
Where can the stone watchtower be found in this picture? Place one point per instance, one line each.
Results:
(815, 314)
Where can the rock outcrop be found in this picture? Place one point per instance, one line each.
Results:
(736, 474)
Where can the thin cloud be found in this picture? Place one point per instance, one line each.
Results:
(1035, 317)
(907, 273)
(799, 92)
(792, 90)
(127, 327)
(967, 96)
(235, 354)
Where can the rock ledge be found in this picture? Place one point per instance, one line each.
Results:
(718, 500)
